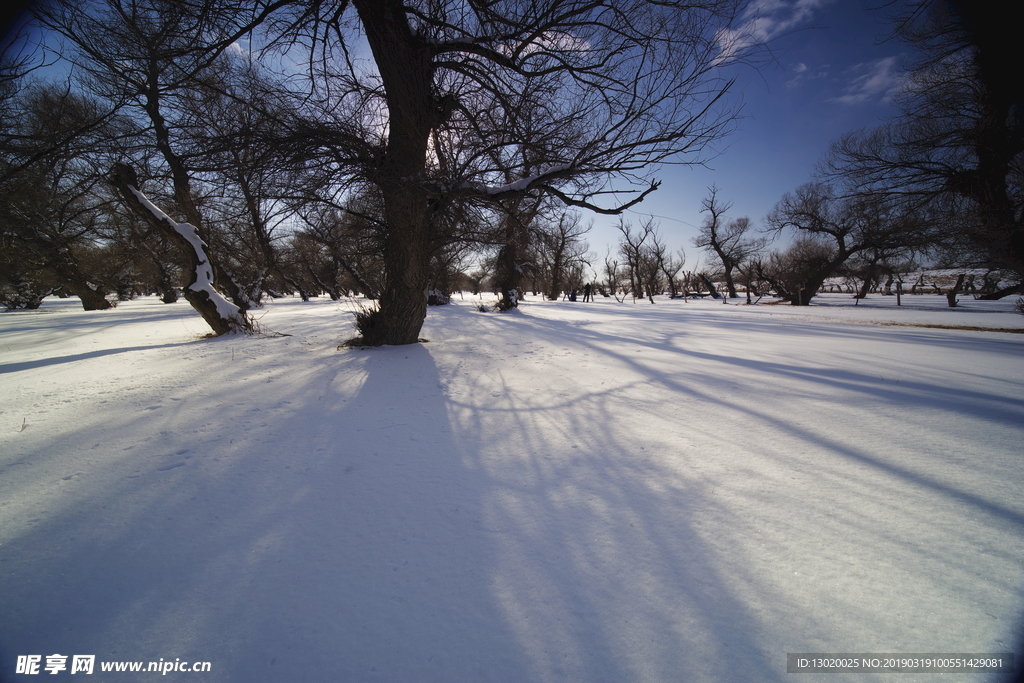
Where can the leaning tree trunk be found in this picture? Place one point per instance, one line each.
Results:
(711, 286)
(220, 314)
(1017, 288)
(365, 287)
(815, 278)
(865, 288)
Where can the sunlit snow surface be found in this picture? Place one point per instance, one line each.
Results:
(684, 491)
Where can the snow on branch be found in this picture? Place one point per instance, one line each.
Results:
(518, 186)
(204, 271)
(222, 315)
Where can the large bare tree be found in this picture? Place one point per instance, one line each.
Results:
(437, 115)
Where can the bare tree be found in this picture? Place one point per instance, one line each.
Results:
(141, 57)
(515, 230)
(348, 241)
(615, 89)
(644, 253)
(561, 248)
(670, 266)
(649, 273)
(53, 206)
(834, 228)
(958, 144)
(728, 240)
(633, 247)
(796, 274)
(461, 107)
(613, 276)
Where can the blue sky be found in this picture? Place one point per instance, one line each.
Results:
(829, 76)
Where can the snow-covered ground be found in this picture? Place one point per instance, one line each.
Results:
(685, 491)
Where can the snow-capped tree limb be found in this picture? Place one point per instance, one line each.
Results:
(221, 315)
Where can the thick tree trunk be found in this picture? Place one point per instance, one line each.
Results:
(956, 289)
(730, 284)
(865, 288)
(814, 278)
(403, 302)
(91, 299)
(331, 291)
(296, 286)
(507, 276)
(808, 289)
(406, 69)
(555, 286)
(711, 287)
(72, 279)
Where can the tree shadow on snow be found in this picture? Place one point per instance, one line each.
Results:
(281, 527)
(463, 511)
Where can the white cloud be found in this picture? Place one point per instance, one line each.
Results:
(878, 80)
(804, 73)
(762, 23)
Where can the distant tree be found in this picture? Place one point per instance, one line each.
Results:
(651, 260)
(446, 272)
(753, 282)
(634, 248)
(560, 248)
(514, 237)
(728, 240)
(645, 259)
(349, 235)
(834, 228)
(613, 275)
(670, 265)
(871, 266)
(53, 203)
